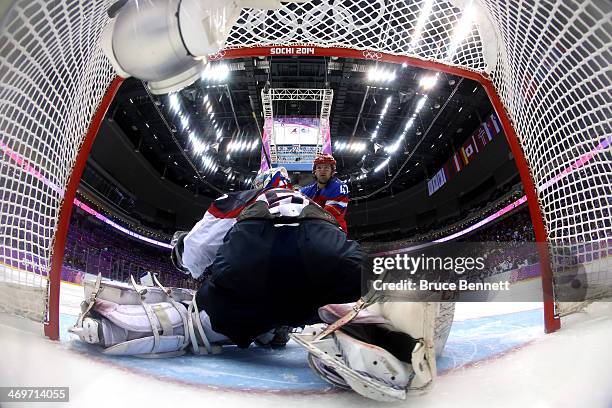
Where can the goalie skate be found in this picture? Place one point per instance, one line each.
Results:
(367, 369)
(329, 347)
(360, 355)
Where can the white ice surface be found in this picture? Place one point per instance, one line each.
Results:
(570, 368)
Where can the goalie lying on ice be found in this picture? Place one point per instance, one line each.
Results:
(270, 259)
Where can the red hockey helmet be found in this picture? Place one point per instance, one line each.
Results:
(325, 159)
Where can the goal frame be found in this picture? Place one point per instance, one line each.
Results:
(51, 325)
(551, 316)
(552, 321)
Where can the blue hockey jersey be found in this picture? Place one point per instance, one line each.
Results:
(334, 198)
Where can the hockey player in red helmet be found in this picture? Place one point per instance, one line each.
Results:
(326, 166)
(327, 190)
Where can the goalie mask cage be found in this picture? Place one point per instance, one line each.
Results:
(544, 64)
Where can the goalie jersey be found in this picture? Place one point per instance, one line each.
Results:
(281, 205)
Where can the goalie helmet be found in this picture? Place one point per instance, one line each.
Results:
(272, 178)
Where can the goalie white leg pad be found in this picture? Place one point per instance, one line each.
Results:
(145, 321)
(128, 329)
(124, 320)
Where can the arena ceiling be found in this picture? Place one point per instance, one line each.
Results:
(384, 117)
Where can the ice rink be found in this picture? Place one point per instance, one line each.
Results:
(497, 355)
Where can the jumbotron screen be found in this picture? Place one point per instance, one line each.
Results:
(296, 142)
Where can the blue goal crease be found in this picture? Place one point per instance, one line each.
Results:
(287, 370)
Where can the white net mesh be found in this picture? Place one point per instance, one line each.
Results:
(549, 61)
(52, 76)
(426, 29)
(556, 87)
(550, 64)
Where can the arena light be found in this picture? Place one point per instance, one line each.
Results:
(428, 82)
(197, 145)
(209, 164)
(381, 75)
(409, 124)
(353, 147)
(420, 104)
(357, 147)
(384, 111)
(241, 146)
(174, 102)
(382, 165)
(392, 148)
(395, 146)
(372, 74)
(215, 73)
(184, 121)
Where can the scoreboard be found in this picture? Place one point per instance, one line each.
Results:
(295, 142)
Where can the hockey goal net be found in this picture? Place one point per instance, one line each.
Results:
(545, 65)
